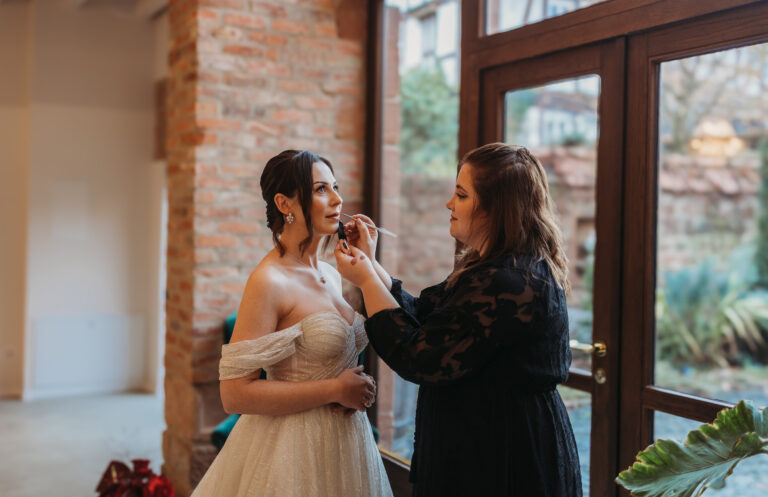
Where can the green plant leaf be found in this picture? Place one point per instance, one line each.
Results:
(707, 457)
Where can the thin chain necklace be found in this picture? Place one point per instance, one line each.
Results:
(322, 278)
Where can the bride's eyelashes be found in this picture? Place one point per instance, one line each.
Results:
(323, 188)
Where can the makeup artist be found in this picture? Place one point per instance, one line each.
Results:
(489, 344)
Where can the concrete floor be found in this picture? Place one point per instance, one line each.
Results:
(60, 447)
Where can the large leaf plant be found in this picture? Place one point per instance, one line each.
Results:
(704, 460)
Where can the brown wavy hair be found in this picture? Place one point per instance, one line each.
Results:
(290, 173)
(513, 197)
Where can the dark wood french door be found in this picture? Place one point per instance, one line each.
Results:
(623, 178)
(567, 108)
(592, 94)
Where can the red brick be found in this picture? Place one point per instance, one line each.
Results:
(272, 54)
(206, 169)
(239, 228)
(350, 47)
(306, 102)
(290, 26)
(311, 131)
(207, 14)
(246, 171)
(231, 287)
(222, 124)
(291, 115)
(268, 38)
(246, 21)
(227, 4)
(216, 183)
(205, 197)
(244, 50)
(298, 86)
(247, 80)
(215, 241)
(227, 33)
(326, 29)
(199, 139)
(216, 272)
(205, 256)
(207, 108)
(268, 67)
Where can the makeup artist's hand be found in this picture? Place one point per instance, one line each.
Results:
(354, 265)
(361, 236)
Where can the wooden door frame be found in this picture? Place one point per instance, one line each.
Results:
(645, 54)
(605, 59)
(479, 53)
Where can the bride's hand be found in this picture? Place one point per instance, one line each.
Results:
(356, 390)
(353, 265)
(362, 233)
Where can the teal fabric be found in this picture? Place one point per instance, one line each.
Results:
(229, 326)
(222, 431)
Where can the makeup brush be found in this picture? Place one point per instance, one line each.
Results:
(380, 230)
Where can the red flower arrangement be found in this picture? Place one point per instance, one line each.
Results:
(120, 481)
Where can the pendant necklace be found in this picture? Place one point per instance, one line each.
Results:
(322, 278)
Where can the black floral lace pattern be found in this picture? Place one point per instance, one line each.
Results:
(456, 337)
(488, 353)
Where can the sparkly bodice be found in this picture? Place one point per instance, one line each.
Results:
(320, 346)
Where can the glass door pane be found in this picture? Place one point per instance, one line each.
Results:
(712, 229)
(505, 15)
(420, 133)
(558, 122)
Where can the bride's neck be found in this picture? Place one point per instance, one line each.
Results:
(292, 250)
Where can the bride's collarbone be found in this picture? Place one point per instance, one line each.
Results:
(308, 301)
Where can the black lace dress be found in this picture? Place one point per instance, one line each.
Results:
(487, 354)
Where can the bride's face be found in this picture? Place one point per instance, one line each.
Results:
(326, 201)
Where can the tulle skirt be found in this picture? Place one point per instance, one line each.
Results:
(315, 453)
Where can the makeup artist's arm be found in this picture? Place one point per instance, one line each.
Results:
(358, 269)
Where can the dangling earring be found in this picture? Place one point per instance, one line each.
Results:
(289, 219)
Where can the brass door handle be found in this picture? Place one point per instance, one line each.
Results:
(598, 348)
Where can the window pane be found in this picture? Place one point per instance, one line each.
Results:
(558, 123)
(420, 144)
(748, 476)
(505, 15)
(712, 226)
(579, 406)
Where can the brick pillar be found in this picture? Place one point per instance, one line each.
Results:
(247, 80)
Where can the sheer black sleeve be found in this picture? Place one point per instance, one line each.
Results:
(418, 307)
(488, 308)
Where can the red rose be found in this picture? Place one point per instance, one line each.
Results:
(141, 467)
(160, 486)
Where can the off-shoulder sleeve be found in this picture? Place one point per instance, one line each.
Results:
(489, 308)
(243, 358)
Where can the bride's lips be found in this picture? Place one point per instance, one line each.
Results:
(335, 216)
(453, 219)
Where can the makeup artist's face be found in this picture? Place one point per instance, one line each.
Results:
(326, 201)
(466, 224)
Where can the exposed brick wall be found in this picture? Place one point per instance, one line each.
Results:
(247, 80)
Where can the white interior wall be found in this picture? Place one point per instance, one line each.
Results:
(14, 167)
(86, 249)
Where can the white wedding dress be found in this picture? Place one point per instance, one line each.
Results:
(315, 453)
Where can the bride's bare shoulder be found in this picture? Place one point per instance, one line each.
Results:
(268, 276)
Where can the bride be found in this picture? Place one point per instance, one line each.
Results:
(303, 432)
